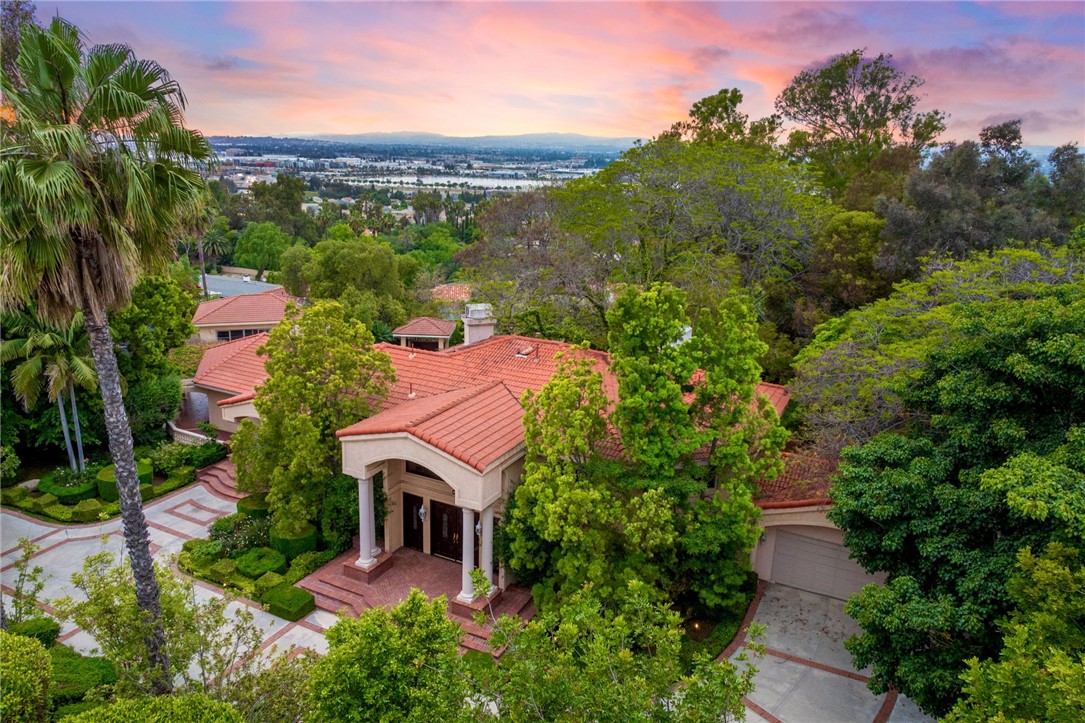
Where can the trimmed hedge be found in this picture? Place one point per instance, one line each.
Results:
(25, 672)
(254, 506)
(58, 512)
(44, 630)
(14, 495)
(40, 503)
(74, 674)
(191, 708)
(207, 553)
(291, 547)
(208, 453)
(266, 582)
(289, 602)
(261, 560)
(107, 479)
(306, 564)
(147, 492)
(69, 495)
(87, 511)
(221, 571)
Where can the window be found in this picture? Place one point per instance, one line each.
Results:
(421, 471)
(236, 334)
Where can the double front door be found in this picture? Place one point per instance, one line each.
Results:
(445, 527)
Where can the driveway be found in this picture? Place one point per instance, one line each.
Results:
(806, 675)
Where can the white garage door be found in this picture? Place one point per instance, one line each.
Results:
(817, 566)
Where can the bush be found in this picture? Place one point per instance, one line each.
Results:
(107, 479)
(169, 456)
(208, 453)
(243, 584)
(111, 509)
(147, 492)
(266, 582)
(74, 674)
(9, 466)
(240, 533)
(25, 672)
(254, 506)
(206, 553)
(306, 564)
(289, 602)
(150, 405)
(191, 708)
(190, 545)
(60, 513)
(74, 709)
(185, 475)
(339, 515)
(87, 511)
(221, 571)
(69, 486)
(14, 495)
(40, 503)
(44, 630)
(28, 503)
(260, 560)
(292, 546)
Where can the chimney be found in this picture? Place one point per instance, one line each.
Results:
(478, 323)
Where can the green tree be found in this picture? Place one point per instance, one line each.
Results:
(843, 268)
(398, 664)
(192, 707)
(717, 118)
(100, 175)
(323, 375)
(260, 246)
(279, 203)
(158, 319)
(14, 14)
(985, 471)
(54, 358)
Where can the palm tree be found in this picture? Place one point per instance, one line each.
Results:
(98, 173)
(57, 358)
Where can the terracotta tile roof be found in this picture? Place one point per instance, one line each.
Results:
(805, 480)
(234, 366)
(427, 327)
(449, 293)
(266, 309)
(476, 425)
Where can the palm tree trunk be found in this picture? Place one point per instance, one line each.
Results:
(136, 537)
(203, 269)
(78, 431)
(67, 434)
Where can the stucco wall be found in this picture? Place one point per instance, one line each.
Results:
(209, 334)
(214, 411)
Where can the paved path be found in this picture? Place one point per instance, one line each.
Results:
(806, 674)
(180, 516)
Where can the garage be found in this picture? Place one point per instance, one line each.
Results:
(817, 565)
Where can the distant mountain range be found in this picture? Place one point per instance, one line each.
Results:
(527, 141)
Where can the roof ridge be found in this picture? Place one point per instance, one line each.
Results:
(465, 394)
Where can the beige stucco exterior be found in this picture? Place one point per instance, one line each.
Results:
(209, 334)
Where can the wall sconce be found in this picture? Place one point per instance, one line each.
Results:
(422, 513)
(478, 528)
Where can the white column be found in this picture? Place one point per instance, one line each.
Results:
(374, 550)
(365, 522)
(467, 591)
(487, 551)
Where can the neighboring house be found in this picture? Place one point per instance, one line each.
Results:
(236, 317)
(451, 299)
(425, 332)
(447, 447)
(229, 374)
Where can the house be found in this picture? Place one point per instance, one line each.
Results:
(425, 332)
(451, 299)
(235, 317)
(447, 447)
(228, 375)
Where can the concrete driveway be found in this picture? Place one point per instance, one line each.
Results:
(806, 675)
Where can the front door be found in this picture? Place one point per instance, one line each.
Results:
(446, 529)
(412, 523)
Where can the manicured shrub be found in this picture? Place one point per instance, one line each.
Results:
(40, 503)
(308, 563)
(167, 457)
(73, 709)
(293, 546)
(146, 492)
(14, 495)
(69, 486)
(27, 503)
(190, 545)
(240, 533)
(260, 560)
(74, 674)
(111, 509)
(243, 584)
(266, 582)
(206, 553)
(60, 513)
(254, 506)
(208, 453)
(221, 571)
(289, 602)
(44, 630)
(87, 511)
(107, 479)
(184, 475)
(25, 672)
(191, 708)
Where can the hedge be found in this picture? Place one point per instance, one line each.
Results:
(266, 582)
(191, 708)
(254, 506)
(308, 563)
(40, 503)
(107, 479)
(44, 630)
(147, 492)
(74, 674)
(259, 561)
(69, 495)
(291, 547)
(14, 495)
(25, 672)
(59, 513)
(87, 511)
(208, 453)
(221, 571)
(207, 553)
(289, 602)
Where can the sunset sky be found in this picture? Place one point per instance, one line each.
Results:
(603, 68)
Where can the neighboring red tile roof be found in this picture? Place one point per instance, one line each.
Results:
(234, 366)
(476, 425)
(805, 481)
(426, 327)
(449, 293)
(266, 309)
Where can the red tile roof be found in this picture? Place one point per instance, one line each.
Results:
(448, 293)
(805, 481)
(426, 327)
(266, 309)
(234, 366)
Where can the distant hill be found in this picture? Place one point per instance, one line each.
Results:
(528, 141)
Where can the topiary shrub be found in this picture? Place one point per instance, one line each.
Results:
(221, 571)
(208, 453)
(266, 582)
(190, 545)
(44, 630)
(107, 479)
(40, 503)
(69, 486)
(260, 560)
(87, 511)
(111, 509)
(74, 674)
(254, 506)
(60, 513)
(240, 533)
(243, 584)
(289, 602)
(25, 672)
(191, 708)
(308, 563)
(27, 503)
(146, 492)
(206, 553)
(292, 546)
(14, 495)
